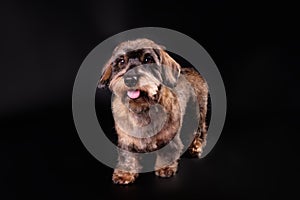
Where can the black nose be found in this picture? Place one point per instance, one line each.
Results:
(130, 81)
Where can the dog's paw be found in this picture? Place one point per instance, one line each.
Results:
(123, 177)
(166, 172)
(196, 148)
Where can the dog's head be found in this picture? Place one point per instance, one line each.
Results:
(139, 68)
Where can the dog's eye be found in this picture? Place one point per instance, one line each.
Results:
(148, 59)
(121, 62)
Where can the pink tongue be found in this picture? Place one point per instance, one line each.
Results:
(133, 94)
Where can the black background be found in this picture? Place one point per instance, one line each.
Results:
(255, 46)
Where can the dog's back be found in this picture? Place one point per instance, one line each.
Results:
(201, 91)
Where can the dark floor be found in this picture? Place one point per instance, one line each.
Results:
(44, 157)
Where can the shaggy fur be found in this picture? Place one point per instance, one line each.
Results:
(150, 94)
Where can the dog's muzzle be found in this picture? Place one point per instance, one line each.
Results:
(131, 78)
(131, 81)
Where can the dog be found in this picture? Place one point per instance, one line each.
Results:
(150, 94)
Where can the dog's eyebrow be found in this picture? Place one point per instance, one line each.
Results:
(135, 53)
(157, 52)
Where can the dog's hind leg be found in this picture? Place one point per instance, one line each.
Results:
(199, 141)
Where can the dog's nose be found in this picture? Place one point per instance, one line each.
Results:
(130, 81)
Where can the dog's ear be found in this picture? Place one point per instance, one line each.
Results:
(170, 69)
(106, 75)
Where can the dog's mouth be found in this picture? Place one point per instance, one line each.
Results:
(142, 93)
(137, 94)
(133, 94)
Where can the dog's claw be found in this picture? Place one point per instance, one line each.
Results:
(166, 172)
(123, 177)
(196, 148)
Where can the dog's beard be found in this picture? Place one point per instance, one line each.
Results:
(144, 116)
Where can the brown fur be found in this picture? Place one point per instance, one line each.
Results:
(164, 89)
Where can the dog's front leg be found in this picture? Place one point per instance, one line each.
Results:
(127, 168)
(167, 158)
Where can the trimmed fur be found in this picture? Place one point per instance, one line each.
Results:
(154, 119)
